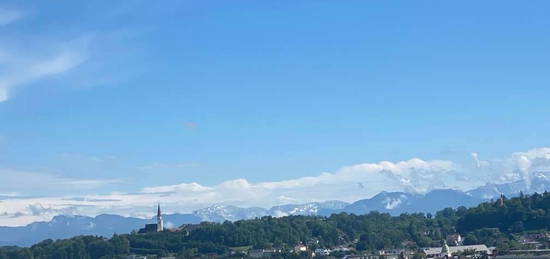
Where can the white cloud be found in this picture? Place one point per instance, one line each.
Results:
(390, 203)
(8, 16)
(185, 197)
(479, 163)
(524, 164)
(414, 175)
(517, 166)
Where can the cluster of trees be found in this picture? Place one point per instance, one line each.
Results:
(526, 212)
(76, 247)
(490, 223)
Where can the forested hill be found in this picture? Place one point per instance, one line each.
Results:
(492, 223)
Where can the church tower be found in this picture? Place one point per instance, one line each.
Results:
(160, 226)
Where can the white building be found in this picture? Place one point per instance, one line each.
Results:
(438, 252)
(300, 248)
(259, 253)
(395, 253)
(322, 252)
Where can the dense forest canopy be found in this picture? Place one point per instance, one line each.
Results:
(494, 223)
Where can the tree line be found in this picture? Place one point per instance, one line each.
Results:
(494, 223)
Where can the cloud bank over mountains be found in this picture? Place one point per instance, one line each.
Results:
(350, 183)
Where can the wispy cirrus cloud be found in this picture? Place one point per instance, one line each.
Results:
(34, 183)
(24, 62)
(8, 16)
(21, 69)
(84, 57)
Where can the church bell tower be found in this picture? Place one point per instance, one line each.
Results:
(160, 226)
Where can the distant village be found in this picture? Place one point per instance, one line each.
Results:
(451, 247)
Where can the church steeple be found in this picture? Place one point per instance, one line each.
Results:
(160, 226)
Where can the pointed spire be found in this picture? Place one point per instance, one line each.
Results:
(158, 210)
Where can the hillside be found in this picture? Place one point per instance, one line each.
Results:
(394, 203)
(492, 223)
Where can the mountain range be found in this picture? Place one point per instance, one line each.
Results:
(395, 203)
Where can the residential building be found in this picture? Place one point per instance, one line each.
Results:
(447, 251)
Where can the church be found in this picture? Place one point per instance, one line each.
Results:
(154, 227)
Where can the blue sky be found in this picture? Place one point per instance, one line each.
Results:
(131, 95)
